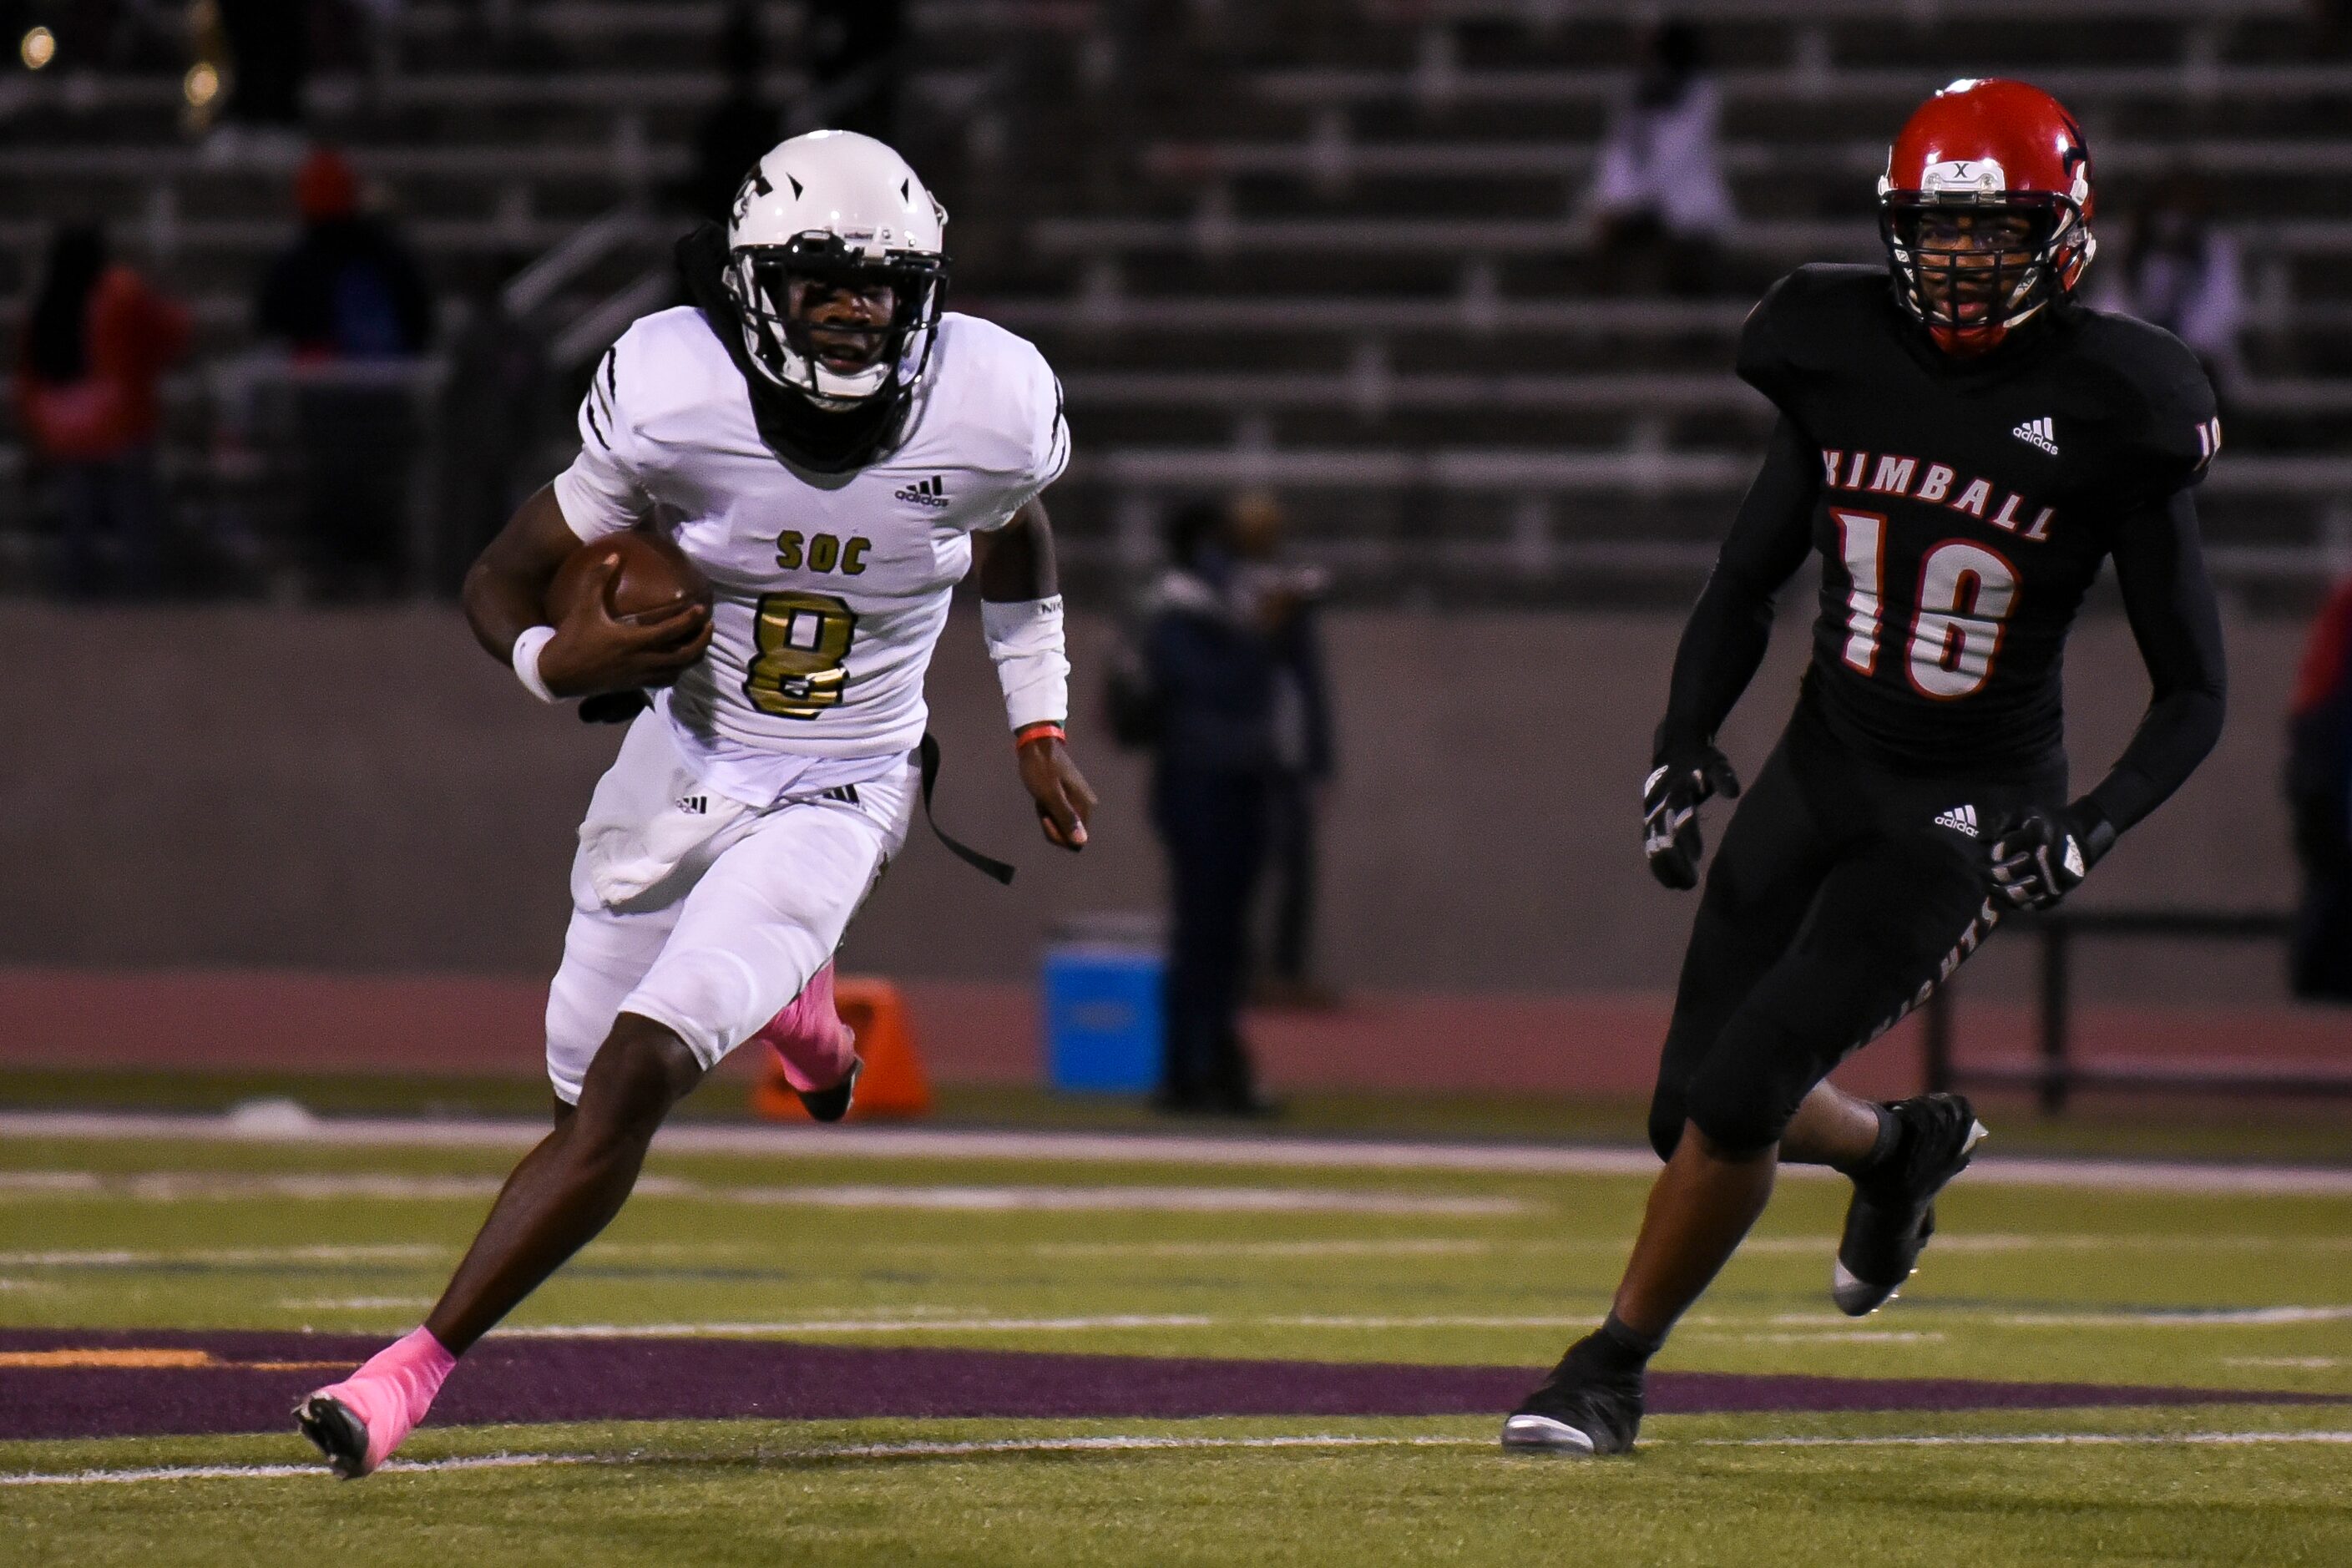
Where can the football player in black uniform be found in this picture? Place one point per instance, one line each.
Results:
(1963, 449)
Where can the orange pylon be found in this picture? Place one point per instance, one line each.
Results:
(893, 1086)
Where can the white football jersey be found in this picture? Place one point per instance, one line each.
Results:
(830, 589)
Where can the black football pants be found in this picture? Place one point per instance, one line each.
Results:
(1836, 903)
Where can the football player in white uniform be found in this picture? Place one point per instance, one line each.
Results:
(835, 452)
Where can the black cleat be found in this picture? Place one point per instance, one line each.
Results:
(336, 1432)
(1894, 1208)
(1577, 1411)
(833, 1104)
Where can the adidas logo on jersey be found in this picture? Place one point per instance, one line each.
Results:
(931, 493)
(2038, 433)
(1959, 819)
(694, 804)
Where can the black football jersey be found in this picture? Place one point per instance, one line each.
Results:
(1965, 505)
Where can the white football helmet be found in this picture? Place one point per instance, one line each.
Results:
(845, 208)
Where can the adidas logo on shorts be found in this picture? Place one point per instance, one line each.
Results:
(2038, 433)
(1959, 819)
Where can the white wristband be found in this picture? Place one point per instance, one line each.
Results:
(525, 660)
(1025, 640)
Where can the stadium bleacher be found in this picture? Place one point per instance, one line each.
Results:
(1335, 248)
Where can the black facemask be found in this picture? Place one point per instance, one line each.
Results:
(825, 441)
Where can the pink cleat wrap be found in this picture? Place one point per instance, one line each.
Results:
(809, 1038)
(388, 1396)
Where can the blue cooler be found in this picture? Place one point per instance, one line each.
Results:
(1102, 1018)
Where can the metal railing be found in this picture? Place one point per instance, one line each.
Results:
(2055, 1073)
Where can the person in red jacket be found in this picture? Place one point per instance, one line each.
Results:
(98, 339)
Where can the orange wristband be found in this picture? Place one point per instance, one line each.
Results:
(1045, 730)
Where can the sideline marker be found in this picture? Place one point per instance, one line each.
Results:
(893, 1086)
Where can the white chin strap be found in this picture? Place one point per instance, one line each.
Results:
(829, 388)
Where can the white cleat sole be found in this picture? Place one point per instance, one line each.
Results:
(1542, 1435)
(1856, 1297)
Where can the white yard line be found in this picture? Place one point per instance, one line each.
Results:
(2093, 1318)
(1828, 1336)
(1121, 1445)
(911, 1325)
(281, 1472)
(1999, 1242)
(127, 1258)
(175, 1187)
(1426, 1247)
(2032, 1440)
(1951, 1440)
(2171, 1318)
(984, 1324)
(1141, 1444)
(1754, 1247)
(1153, 1199)
(1326, 1153)
(1775, 1329)
(51, 1183)
(1365, 1247)
(354, 1303)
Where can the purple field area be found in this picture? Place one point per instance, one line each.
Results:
(64, 1383)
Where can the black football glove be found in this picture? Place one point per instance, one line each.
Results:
(2035, 857)
(613, 707)
(1671, 797)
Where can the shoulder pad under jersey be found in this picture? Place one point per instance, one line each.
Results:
(1805, 324)
(1005, 398)
(2149, 395)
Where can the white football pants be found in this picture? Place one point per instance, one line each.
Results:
(704, 914)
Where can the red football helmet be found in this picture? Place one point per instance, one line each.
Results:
(1986, 210)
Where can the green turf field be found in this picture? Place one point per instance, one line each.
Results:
(2249, 1292)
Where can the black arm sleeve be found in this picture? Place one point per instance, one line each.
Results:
(2160, 567)
(1732, 622)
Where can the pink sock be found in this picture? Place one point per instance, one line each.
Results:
(391, 1393)
(809, 1038)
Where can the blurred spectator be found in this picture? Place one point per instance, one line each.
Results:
(269, 58)
(94, 345)
(854, 64)
(1302, 761)
(2319, 795)
(737, 129)
(1658, 193)
(348, 287)
(2182, 274)
(1223, 626)
(349, 302)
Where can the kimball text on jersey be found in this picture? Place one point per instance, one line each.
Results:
(1887, 475)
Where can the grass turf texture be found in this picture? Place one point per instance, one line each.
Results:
(1477, 1269)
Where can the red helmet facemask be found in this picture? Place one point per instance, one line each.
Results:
(1985, 208)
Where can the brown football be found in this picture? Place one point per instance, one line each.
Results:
(654, 575)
